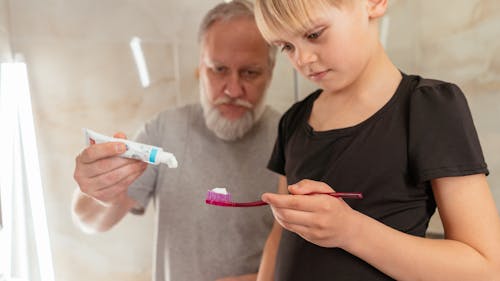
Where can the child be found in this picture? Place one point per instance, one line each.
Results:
(407, 143)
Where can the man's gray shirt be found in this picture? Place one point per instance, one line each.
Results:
(195, 241)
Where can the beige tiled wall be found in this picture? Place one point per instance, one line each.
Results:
(4, 32)
(83, 75)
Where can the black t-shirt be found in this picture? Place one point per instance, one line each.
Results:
(424, 132)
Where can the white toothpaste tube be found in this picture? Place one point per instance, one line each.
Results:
(147, 153)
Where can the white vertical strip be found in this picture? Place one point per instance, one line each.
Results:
(140, 62)
(20, 217)
(7, 113)
(25, 171)
(32, 165)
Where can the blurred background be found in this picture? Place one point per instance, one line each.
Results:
(76, 61)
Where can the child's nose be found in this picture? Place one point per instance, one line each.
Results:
(304, 57)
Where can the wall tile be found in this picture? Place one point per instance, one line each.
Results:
(83, 75)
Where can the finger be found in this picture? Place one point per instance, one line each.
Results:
(308, 187)
(310, 227)
(117, 175)
(107, 165)
(84, 171)
(112, 192)
(300, 229)
(293, 217)
(120, 135)
(305, 203)
(100, 151)
(89, 176)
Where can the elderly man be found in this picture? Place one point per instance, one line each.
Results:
(223, 142)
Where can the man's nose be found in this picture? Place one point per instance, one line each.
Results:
(234, 86)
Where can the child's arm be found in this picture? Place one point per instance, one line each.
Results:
(268, 260)
(471, 250)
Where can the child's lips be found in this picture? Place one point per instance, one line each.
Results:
(318, 75)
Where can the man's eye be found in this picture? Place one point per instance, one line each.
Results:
(219, 69)
(250, 73)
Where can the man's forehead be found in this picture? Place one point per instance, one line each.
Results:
(235, 41)
(233, 62)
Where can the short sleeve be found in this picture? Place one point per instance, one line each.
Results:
(443, 141)
(142, 189)
(277, 161)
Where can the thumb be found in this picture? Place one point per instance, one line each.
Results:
(308, 187)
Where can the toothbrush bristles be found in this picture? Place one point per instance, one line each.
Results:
(218, 197)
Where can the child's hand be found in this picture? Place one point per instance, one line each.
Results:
(320, 219)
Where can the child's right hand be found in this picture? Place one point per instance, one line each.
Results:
(104, 176)
(320, 219)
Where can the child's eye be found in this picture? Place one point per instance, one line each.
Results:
(314, 35)
(285, 47)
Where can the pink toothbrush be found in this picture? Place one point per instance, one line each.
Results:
(220, 197)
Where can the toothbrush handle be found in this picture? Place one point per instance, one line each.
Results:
(348, 195)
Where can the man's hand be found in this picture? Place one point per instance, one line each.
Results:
(104, 176)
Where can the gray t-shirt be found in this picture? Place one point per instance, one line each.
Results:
(195, 241)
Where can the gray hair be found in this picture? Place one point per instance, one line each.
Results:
(226, 11)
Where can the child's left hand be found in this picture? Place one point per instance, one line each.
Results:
(320, 219)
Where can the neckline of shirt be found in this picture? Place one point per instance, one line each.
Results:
(346, 131)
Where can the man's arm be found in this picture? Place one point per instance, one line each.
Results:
(94, 216)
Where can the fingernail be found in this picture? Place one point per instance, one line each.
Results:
(120, 147)
(264, 198)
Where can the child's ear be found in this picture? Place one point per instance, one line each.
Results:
(376, 8)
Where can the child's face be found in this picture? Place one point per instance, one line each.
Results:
(336, 50)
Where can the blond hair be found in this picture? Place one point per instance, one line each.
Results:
(291, 17)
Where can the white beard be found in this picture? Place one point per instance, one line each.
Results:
(225, 129)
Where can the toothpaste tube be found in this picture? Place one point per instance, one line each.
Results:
(147, 153)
